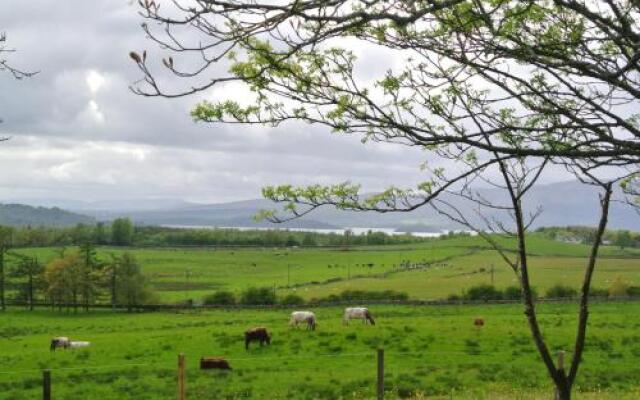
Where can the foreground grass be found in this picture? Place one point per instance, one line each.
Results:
(431, 352)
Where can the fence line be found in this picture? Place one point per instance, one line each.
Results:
(178, 307)
(181, 381)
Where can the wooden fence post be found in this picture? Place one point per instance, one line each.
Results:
(46, 384)
(380, 388)
(182, 393)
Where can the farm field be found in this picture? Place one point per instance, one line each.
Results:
(431, 352)
(445, 267)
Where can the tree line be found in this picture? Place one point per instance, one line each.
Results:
(586, 235)
(122, 232)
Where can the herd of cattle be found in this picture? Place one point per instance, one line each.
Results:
(258, 334)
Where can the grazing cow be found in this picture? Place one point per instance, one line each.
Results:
(214, 363)
(357, 313)
(303, 316)
(259, 334)
(61, 341)
(478, 322)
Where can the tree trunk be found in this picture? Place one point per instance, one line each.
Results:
(113, 288)
(563, 386)
(30, 292)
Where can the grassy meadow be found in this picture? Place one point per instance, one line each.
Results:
(455, 264)
(431, 351)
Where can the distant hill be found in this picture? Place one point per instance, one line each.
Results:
(23, 215)
(563, 204)
(567, 203)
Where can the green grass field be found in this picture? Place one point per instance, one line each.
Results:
(458, 263)
(431, 351)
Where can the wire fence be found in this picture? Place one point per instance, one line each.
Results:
(372, 374)
(195, 306)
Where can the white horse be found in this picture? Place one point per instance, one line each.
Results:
(357, 313)
(303, 316)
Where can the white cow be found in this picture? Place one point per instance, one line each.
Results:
(357, 313)
(76, 345)
(303, 316)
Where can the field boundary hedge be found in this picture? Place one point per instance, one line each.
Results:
(177, 307)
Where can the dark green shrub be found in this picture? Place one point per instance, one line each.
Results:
(598, 292)
(373, 295)
(633, 291)
(512, 293)
(220, 298)
(258, 296)
(515, 293)
(292, 300)
(483, 293)
(561, 292)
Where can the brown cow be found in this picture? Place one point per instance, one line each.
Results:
(258, 334)
(214, 363)
(478, 322)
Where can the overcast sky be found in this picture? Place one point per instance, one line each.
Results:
(77, 132)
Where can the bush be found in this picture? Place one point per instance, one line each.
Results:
(363, 295)
(515, 293)
(633, 291)
(512, 293)
(220, 298)
(618, 288)
(598, 292)
(258, 296)
(561, 292)
(292, 300)
(483, 293)
(373, 295)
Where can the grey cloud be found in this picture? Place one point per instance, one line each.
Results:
(70, 141)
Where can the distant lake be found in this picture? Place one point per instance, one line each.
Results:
(341, 231)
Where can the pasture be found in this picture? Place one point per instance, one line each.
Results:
(431, 352)
(426, 271)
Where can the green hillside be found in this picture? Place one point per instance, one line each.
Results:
(23, 215)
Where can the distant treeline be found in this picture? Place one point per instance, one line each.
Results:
(586, 235)
(122, 232)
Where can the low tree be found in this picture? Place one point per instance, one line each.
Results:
(131, 288)
(623, 239)
(30, 270)
(91, 272)
(6, 235)
(100, 234)
(122, 232)
(63, 280)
